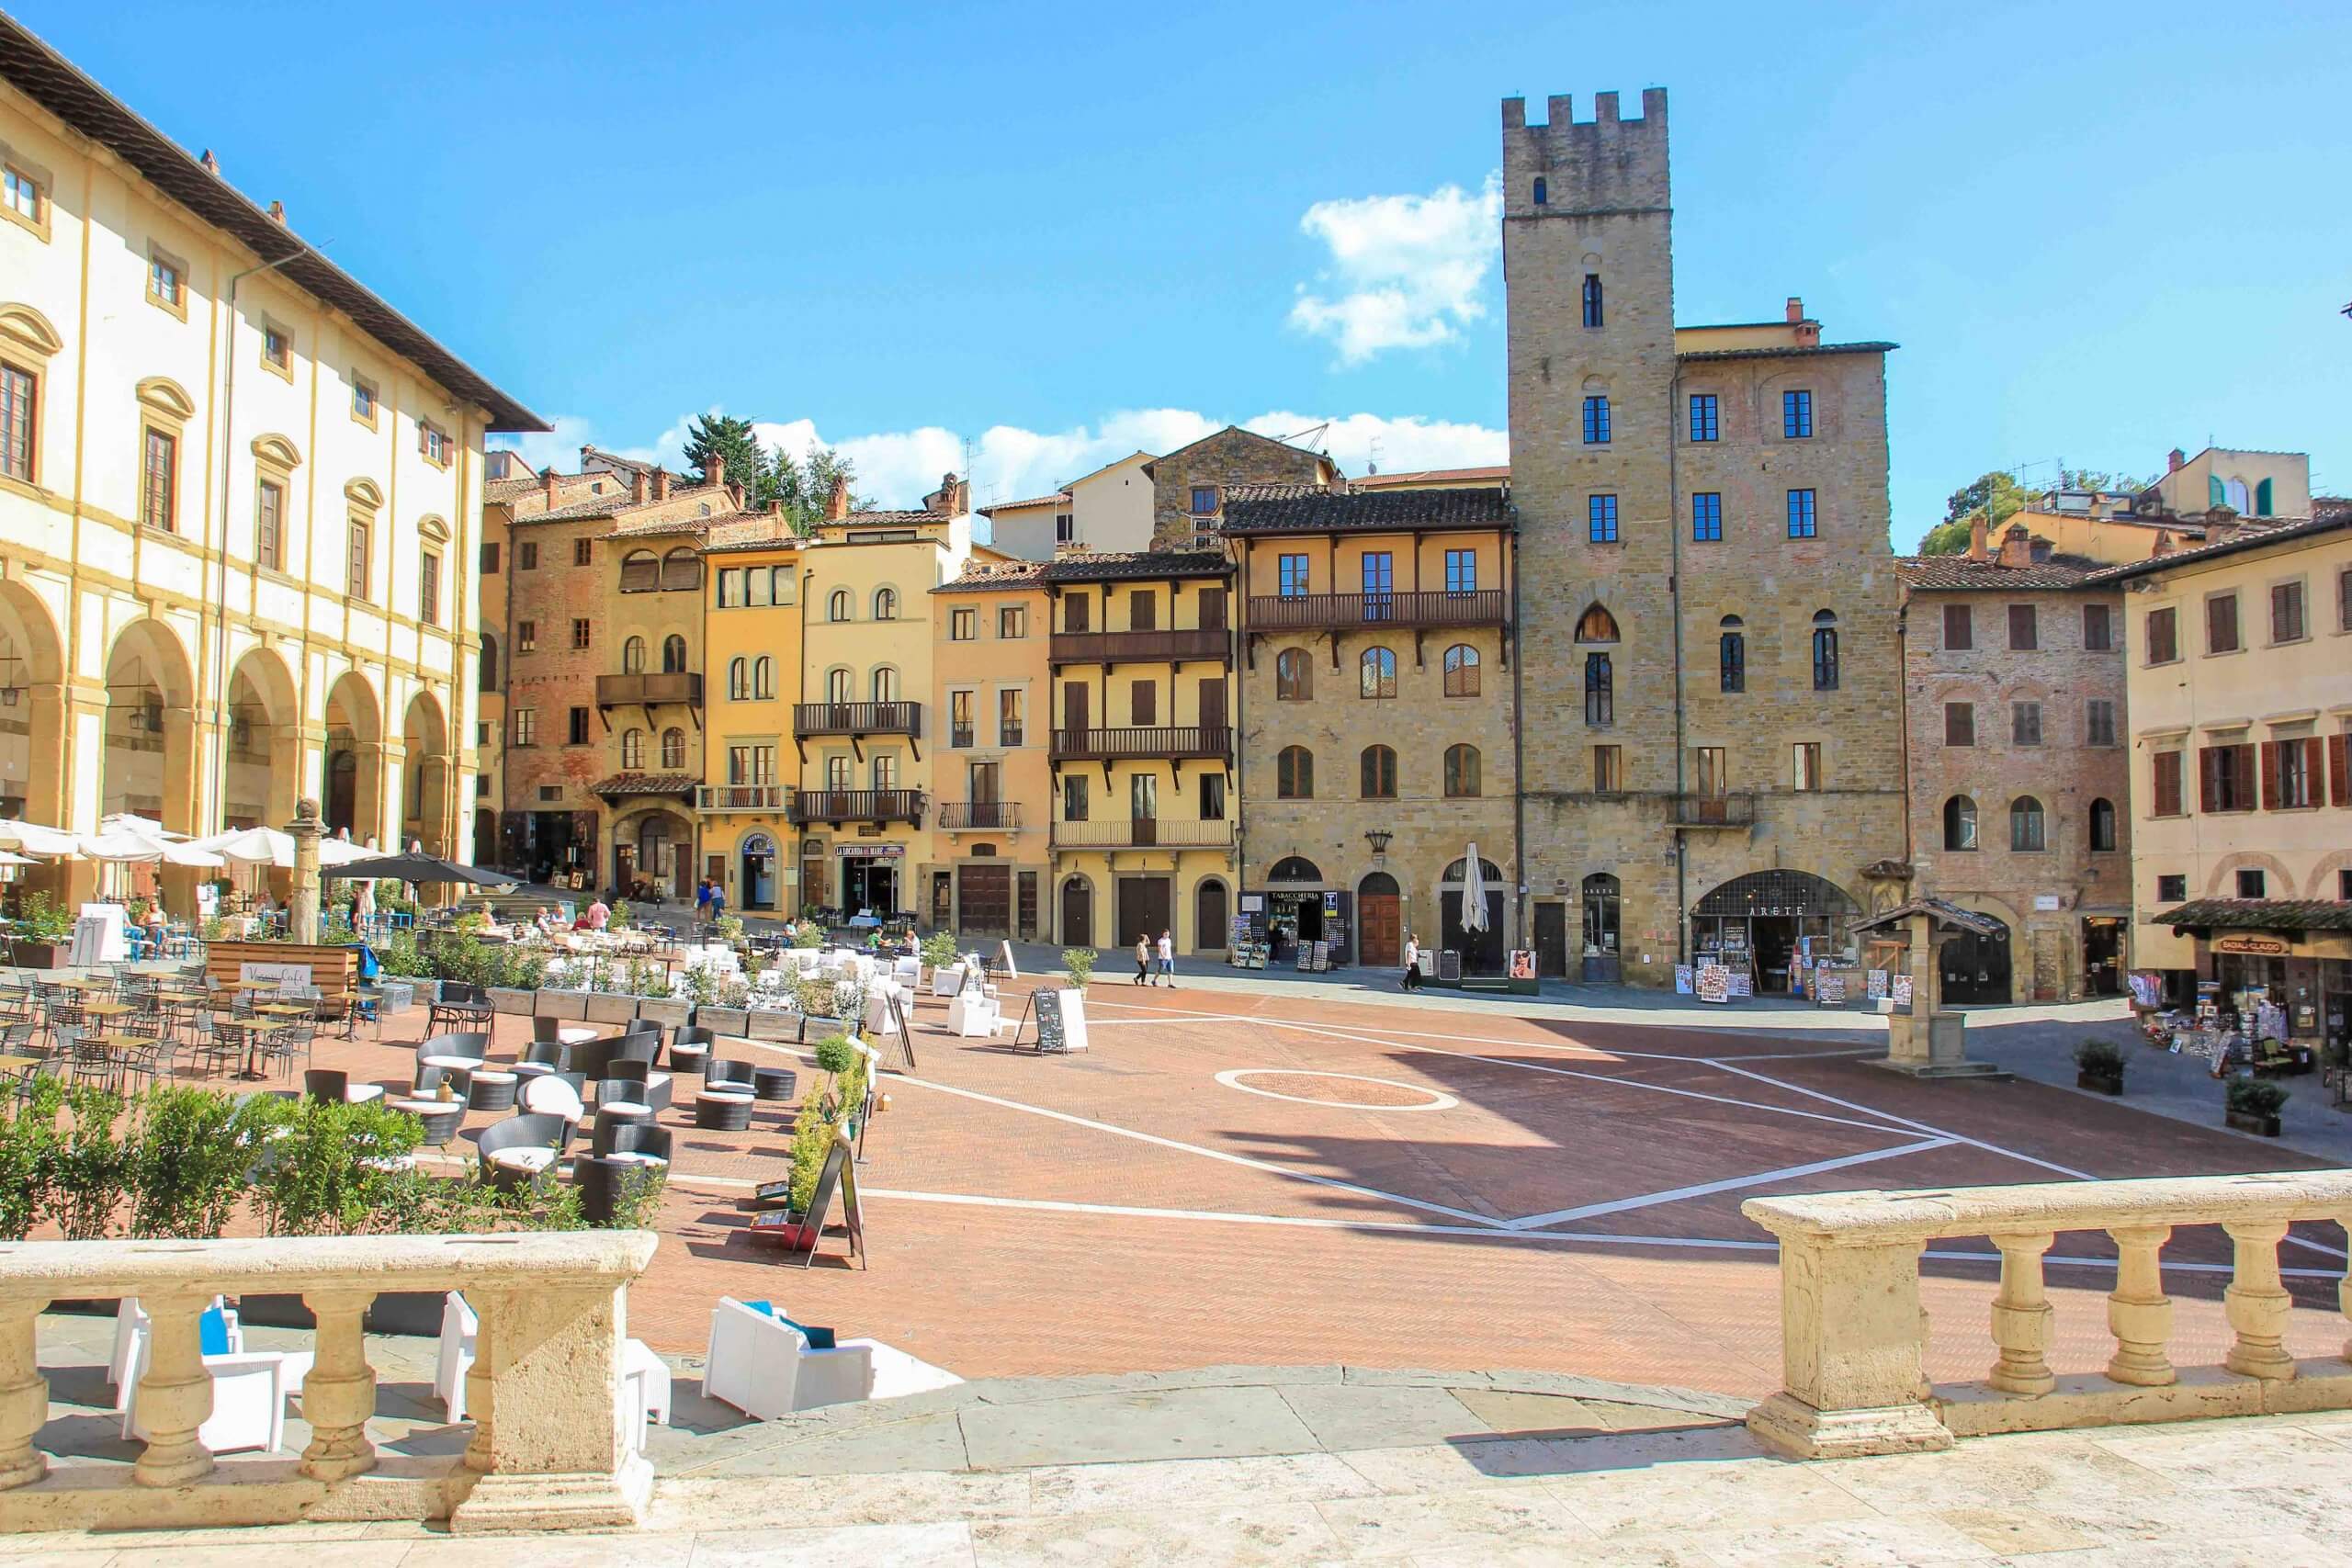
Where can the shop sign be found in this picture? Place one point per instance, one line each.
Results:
(872, 851)
(1253, 903)
(2262, 946)
(2045, 900)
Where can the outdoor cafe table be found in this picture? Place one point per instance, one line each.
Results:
(102, 1009)
(246, 1031)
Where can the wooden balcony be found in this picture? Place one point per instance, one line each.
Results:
(857, 718)
(1712, 810)
(649, 690)
(1164, 647)
(1140, 744)
(858, 806)
(1342, 611)
(1145, 832)
(1000, 816)
(740, 797)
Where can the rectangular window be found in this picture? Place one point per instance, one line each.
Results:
(2164, 636)
(1796, 415)
(276, 348)
(2025, 630)
(1960, 724)
(1704, 423)
(730, 587)
(583, 552)
(1143, 702)
(1709, 770)
(1073, 797)
(2098, 630)
(759, 584)
(1601, 519)
(363, 399)
(1608, 770)
(165, 285)
(269, 525)
(21, 193)
(580, 633)
(2025, 723)
(1204, 500)
(2222, 624)
(1065, 528)
(2225, 778)
(1212, 798)
(1291, 577)
(1379, 573)
(959, 718)
(1805, 766)
(2343, 600)
(1959, 628)
(1596, 422)
(579, 727)
(1592, 311)
(2166, 780)
(490, 558)
(2099, 722)
(2293, 768)
(160, 481)
(1461, 571)
(16, 392)
(526, 637)
(1012, 620)
(2287, 612)
(963, 625)
(358, 571)
(527, 556)
(2251, 882)
(1143, 610)
(1077, 615)
(1707, 516)
(523, 724)
(434, 442)
(1803, 521)
(1009, 726)
(428, 588)
(2171, 888)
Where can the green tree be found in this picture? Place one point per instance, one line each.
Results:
(1999, 497)
(723, 435)
(804, 487)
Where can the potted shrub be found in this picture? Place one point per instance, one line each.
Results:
(1078, 964)
(2098, 1065)
(44, 936)
(2252, 1106)
(938, 950)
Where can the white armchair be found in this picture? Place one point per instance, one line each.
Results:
(764, 1367)
(221, 1335)
(249, 1390)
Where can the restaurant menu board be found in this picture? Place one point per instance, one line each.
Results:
(1714, 983)
(839, 1175)
(1004, 952)
(1061, 1021)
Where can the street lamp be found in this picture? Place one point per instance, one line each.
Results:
(1378, 838)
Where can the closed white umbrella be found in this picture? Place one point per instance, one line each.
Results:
(32, 838)
(1474, 893)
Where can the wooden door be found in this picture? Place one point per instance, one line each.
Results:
(1552, 939)
(1212, 704)
(1380, 930)
(984, 900)
(1078, 914)
(1074, 713)
(1143, 909)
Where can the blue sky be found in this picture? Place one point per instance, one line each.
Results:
(1061, 232)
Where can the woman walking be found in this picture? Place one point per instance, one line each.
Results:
(1142, 959)
(1412, 981)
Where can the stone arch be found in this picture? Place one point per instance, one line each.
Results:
(1074, 907)
(277, 451)
(148, 763)
(2322, 883)
(351, 789)
(32, 708)
(265, 725)
(425, 769)
(168, 398)
(2222, 882)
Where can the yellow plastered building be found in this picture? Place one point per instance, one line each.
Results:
(992, 785)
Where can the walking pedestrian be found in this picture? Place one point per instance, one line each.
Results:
(702, 900)
(1168, 958)
(1412, 981)
(1142, 959)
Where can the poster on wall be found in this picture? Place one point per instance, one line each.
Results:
(1330, 903)
(1874, 984)
(1902, 990)
(1253, 903)
(1713, 983)
(1683, 981)
(1829, 988)
(1523, 964)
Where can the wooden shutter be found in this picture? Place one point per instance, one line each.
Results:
(2339, 769)
(1143, 703)
(2270, 775)
(2168, 783)
(2214, 494)
(2262, 493)
(2209, 771)
(2241, 760)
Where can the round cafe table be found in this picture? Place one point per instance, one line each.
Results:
(440, 1117)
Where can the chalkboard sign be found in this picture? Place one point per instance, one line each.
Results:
(1448, 965)
(1061, 1021)
(840, 1174)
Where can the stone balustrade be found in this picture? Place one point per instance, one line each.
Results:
(1852, 1327)
(549, 1449)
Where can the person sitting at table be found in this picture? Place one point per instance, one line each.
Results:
(598, 913)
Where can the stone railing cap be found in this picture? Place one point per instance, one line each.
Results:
(1860, 1219)
(101, 1268)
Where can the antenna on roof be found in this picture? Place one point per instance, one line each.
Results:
(1310, 430)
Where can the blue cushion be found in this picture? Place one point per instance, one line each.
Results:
(819, 1339)
(763, 1308)
(212, 1333)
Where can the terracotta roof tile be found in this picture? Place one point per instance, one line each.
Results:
(981, 577)
(1135, 565)
(1315, 509)
(1793, 351)
(645, 784)
(1959, 573)
(623, 498)
(1057, 498)
(2247, 537)
(2258, 914)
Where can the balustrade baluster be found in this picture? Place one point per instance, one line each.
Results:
(24, 1392)
(175, 1394)
(2257, 1302)
(491, 1308)
(2021, 1315)
(339, 1394)
(2139, 1313)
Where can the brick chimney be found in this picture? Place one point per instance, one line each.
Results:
(1796, 310)
(2016, 547)
(1976, 534)
(715, 471)
(278, 213)
(661, 483)
(548, 485)
(639, 488)
(837, 500)
(2173, 459)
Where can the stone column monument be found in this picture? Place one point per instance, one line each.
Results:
(303, 908)
(1928, 1043)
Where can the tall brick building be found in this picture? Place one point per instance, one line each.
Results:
(1709, 690)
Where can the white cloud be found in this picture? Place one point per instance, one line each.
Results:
(1406, 271)
(1008, 462)
(561, 445)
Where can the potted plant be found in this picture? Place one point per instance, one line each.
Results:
(2252, 1105)
(2098, 1065)
(609, 1000)
(725, 1014)
(1078, 964)
(44, 936)
(657, 999)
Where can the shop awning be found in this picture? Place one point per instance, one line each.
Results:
(2286, 915)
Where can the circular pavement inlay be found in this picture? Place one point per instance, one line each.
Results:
(1307, 1088)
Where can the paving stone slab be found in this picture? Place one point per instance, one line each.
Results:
(1350, 1415)
(1162, 1424)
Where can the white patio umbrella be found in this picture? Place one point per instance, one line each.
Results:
(32, 838)
(274, 846)
(1474, 891)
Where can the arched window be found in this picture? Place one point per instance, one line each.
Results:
(1294, 774)
(1461, 771)
(1960, 823)
(1592, 315)
(1733, 655)
(763, 677)
(1294, 675)
(885, 604)
(641, 572)
(1461, 671)
(2025, 824)
(739, 680)
(837, 685)
(837, 605)
(1600, 690)
(1596, 624)
(1295, 868)
(1379, 673)
(673, 654)
(489, 682)
(674, 749)
(632, 749)
(1543, 191)
(633, 657)
(1488, 871)
(2103, 821)
(1378, 767)
(681, 568)
(1825, 651)
(886, 685)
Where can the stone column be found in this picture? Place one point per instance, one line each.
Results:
(1850, 1333)
(24, 1392)
(339, 1394)
(2139, 1313)
(176, 1395)
(302, 906)
(2257, 1302)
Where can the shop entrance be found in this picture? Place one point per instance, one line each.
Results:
(1758, 923)
(1078, 913)
(1974, 969)
(1482, 951)
(759, 871)
(1380, 921)
(869, 885)
(1294, 915)
(984, 899)
(1144, 909)
(1551, 940)
(2102, 955)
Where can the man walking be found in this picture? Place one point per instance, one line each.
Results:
(1167, 959)
(702, 901)
(1412, 981)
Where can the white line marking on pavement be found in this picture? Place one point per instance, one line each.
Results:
(1906, 1122)
(1729, 1184)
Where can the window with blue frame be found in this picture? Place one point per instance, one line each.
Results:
(1543, 191)
(1707, 515)
(1803, 522)
(1461, 571)
(1705, 424)
(1796, 415)
(1596, 422)
(1601, 517)
(1292, 582)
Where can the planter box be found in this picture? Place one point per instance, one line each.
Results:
(768, 1024)
(604, 1007)
(38, 954)
(2101, 1083)
(505, 999)
(724, 1020)
(2246, 1121)
(817, 1028)
(672, 1012)
(571, 1005)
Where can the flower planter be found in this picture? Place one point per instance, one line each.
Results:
(672, 1012)
(571, 1005)
(818, 1028)
(37, 955)
(724, 1020)
(2099, 1083)
(768, 1024)
(505, 999)
(791, 1232)
(2246, 1121)
(606, 1007)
